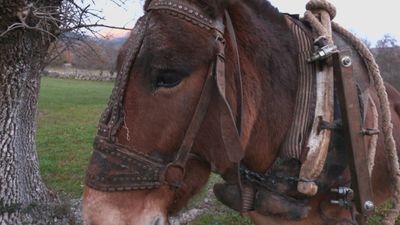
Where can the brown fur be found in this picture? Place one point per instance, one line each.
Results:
(157, 118)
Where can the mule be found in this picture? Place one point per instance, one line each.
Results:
(160, 98)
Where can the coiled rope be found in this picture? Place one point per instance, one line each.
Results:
(373, 69)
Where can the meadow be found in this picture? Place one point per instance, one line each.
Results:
(69, 111)
(68, 114)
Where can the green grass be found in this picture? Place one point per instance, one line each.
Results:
(69, 111)
(218, 213)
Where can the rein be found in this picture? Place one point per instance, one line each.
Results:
(115, 167)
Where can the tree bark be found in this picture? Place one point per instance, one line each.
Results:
(24, 199)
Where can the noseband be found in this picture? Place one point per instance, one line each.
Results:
(115, 167)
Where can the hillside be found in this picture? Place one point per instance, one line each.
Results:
(86, 52)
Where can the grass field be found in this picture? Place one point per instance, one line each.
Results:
(69, 111)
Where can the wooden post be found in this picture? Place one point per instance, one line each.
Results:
(318, 142)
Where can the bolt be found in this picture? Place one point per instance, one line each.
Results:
(346, 61)
(369, 205)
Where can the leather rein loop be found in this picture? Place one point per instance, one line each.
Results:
(115, 167)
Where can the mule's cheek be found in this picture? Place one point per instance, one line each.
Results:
(126, 208)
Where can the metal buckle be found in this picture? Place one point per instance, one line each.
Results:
(323, 53)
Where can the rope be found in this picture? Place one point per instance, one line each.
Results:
(373, 68)
(374, 139)
(317, 26)
(315, 6)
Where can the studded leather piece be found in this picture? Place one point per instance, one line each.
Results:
(114, 168)
(112, 117)
(188, 12)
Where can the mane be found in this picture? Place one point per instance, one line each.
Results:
(263, 8)
(265, 35)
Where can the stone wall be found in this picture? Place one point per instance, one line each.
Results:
(69, 72)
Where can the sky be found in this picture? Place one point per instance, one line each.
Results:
(368, 19)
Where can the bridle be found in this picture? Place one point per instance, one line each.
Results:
(115, 167)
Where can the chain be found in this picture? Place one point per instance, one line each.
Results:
(268, 178)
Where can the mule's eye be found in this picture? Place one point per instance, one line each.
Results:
(167, 79)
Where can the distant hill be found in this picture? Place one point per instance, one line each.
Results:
(118, 42)
(388, 59)
(86, 52)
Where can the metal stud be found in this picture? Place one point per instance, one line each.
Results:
(369, 205)
(346, 61)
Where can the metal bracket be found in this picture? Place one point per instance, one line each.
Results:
(370, 131)
(325, 125)
(324, 50)
(323, 53)
(347, 196)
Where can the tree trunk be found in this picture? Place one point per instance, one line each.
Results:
(24, 199)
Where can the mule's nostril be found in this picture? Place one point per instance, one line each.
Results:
(158, 221)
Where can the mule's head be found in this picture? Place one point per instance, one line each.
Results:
(164, 85)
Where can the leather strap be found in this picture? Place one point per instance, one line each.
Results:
(197, 119)
(230, 131)
(237, 72)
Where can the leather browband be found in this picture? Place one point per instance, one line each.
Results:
(190, 13)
